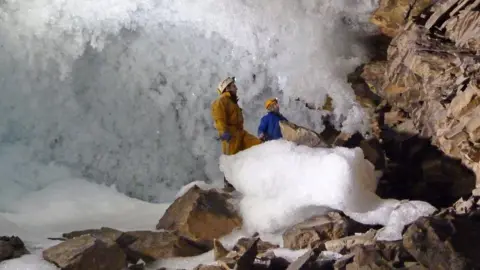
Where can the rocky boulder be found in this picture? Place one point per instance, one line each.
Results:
(11, 247)
(201, 215)
(342, 245)
(86, 253)
(444, 243)
(147, 246)
(301, 135)
(248, 253)
(318, 230)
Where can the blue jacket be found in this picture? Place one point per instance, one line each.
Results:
(270, 127)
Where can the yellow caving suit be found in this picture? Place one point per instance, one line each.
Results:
(228, 116)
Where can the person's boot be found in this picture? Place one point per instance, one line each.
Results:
(227, 187)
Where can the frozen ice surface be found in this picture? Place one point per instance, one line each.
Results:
(27, 262)
(68, 205)
(119, 91)
(283, 183)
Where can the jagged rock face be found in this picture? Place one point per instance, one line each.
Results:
(432, 74)
(201, 215)
(391, 15)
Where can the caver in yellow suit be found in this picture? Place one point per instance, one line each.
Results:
(228, 120)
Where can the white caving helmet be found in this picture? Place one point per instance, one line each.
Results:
(223, 85)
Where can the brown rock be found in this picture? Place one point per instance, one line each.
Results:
(86, 252)
(444, 244)
(463, 29)
(319, 229)
(367, 257)
(374, 74)
(393, 252)
(201, 215)
(11, 247)
(433, 79)
(391, 15)
(314, 230)
(74, 234)
(244, 244)
(150, 246)
(219, 251)
(348, 242)
(102, 233)
(301, 135)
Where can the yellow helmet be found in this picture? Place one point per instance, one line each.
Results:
(270, 101)
(224, 84)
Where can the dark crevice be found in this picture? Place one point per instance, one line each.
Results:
(418, 170)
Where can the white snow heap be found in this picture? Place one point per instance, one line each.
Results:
(284, 183)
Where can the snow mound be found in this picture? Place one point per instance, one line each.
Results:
(284, 183)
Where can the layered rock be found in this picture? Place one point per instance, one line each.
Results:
(319, 230)
(431, 79)
(201, 215)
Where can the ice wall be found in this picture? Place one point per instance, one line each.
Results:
(119, 91)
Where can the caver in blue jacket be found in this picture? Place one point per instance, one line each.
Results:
(270, 126)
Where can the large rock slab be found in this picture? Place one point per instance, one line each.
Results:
(150, 246)
(86, 253)
(201, 215)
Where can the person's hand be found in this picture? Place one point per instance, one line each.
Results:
(226, 136)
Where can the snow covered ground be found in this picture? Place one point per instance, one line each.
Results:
(282, 184)
(64, 206)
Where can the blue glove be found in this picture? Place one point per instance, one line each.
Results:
(226, 136)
